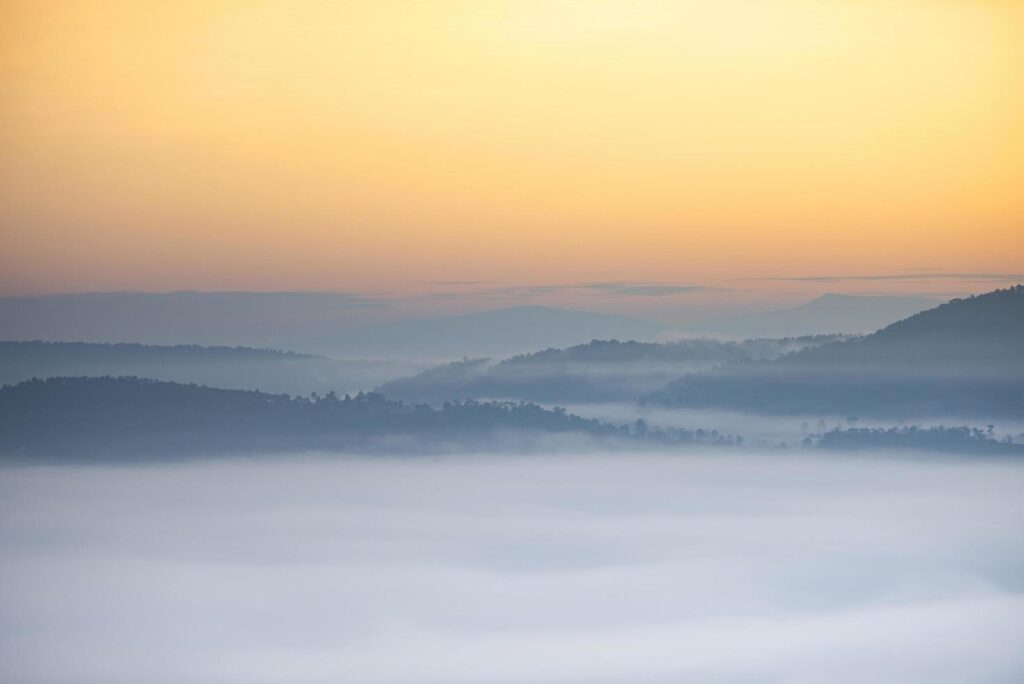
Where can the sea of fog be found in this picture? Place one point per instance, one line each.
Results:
(605, 568)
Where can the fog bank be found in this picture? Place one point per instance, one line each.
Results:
(717, 567)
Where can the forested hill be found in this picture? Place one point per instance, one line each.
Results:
(829, 313)
(984, 332)
(602, 370)
(963, 358)
(994, 314)
(133, 418)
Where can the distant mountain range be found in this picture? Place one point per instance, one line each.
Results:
(331, 324)
(354, 326)
(830, 313)
(963, 358)
(137, 420)
(255, 319)
(489, 333)
(226, 367)
(599, 371)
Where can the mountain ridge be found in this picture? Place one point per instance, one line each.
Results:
(598, 371)
(138, 418)
(830, 313)
(493, 332)
(964, 357)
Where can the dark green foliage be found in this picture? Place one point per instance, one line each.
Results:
(963, 440)
(132, 418)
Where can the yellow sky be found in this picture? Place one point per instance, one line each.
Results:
(382, 145)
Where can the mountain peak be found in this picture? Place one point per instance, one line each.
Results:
(1000, 313)
(829, 313)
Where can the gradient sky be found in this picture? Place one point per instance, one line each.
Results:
(384, 146)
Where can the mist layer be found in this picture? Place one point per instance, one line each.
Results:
(525, 569)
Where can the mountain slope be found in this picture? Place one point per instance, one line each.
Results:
(976, 335)
(137, 419)
(830, 313)
(600, 371)
(962, 358)
(131, 418)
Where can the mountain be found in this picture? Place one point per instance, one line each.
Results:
(963, 358)
(327, 323)
(600, 371)
(227, 367)
(503, 332)
(830, 313)
(261, 319)
(982, 335)
(132, 419)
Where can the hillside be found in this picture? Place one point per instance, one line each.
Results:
(135, 419)
(981, 334)
(600, 371)
(963, 358)
(829, 313)
(129, 417)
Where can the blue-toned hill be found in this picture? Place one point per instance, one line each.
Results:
(963, 358)
(133, 419)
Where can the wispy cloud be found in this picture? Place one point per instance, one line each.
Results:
(624, 288)
(930, 294)
(194, 298)
(919, 276)
(461, 283)
(643, 289)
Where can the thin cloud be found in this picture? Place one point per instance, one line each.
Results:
(604, 288)
(355, 300)
(977, 277)
(644, 289)
(461, 283)
(930, 294)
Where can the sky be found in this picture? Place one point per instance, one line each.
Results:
(687, 150)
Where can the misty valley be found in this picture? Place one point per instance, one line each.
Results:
(618, 567)
(829, 505)
(511, 342)
(950, 379)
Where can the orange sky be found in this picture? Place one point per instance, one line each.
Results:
(384, 146)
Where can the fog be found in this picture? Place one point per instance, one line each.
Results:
(613, 568)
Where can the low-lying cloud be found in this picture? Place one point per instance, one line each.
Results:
(619, 568)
